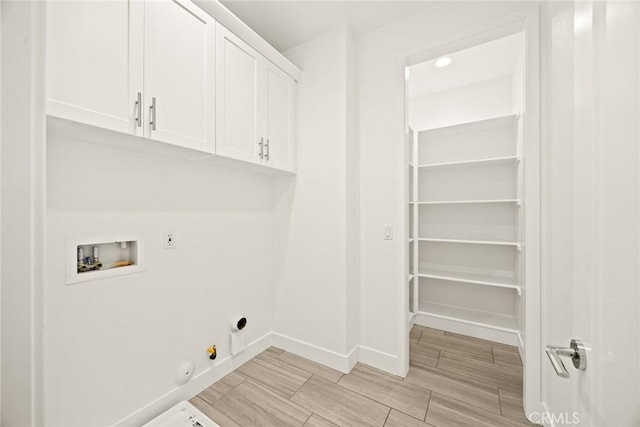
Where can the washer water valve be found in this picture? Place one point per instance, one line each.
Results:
(212, 352)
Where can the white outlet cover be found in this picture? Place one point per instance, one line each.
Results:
(184, 372)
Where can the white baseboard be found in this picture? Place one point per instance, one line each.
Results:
(340, 362)
(412, 320)
(521, 348)
(196, 385)
(379, 360)
(472, 330)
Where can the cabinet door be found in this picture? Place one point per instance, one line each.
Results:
(179, 87)
(95, 62)
(280, 100)
(238, 116)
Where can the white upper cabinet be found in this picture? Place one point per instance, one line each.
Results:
(238, 111)
(280, 101)
(165, 70)
(255, 103)
(179, 83)
(95, 62)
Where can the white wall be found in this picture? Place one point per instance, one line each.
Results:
(353, 200)
(381, 93)
(478, 101)
(315, 275)
(0, 217)
(114, 345)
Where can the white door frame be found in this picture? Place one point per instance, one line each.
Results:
(23, 211)
(529, 345)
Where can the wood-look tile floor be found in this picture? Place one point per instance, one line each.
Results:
(453, 380)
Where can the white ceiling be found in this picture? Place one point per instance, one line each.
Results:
(487, 61)
(285, 24)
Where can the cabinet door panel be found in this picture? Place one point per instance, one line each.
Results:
(280, 98)
(95, 62)
(237, 98)
(179, 69)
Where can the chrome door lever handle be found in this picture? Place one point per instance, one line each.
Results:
(577, 352)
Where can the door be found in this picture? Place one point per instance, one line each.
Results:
(95, 62)
(591, 243)
(179, 87)
(239, 132)
(279, 97)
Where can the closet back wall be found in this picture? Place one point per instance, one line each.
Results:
(483, 100)
(114, 345)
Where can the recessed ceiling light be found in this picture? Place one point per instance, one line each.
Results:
(443, 61)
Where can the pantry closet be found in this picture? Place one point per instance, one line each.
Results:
(466, 190)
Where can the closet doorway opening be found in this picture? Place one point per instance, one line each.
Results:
(466, 225)
(473, 189)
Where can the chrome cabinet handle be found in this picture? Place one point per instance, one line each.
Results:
(577, 352)
(261, 145)
(266, 146)
(152, 114)
(139, 110)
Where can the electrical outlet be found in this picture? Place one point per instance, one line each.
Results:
(169, 240)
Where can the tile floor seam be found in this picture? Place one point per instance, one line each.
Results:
(349, 390)
(462, 402)
(230, 416)
(466, 403)
(269, 390)
(386, 405)
(428, 403)
(308, 418)
(387, 417)
(366, 397)
(308, 372)
(296, 392)
(497, 392)
(232, 388)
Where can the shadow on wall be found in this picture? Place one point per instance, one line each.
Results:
(85, 177)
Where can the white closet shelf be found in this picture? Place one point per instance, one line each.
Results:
(473, 317)
(474, 279)
(472, 242)
(482, 162)
(463, 202)
(470, 126)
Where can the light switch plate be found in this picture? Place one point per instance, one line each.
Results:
(388, 232)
